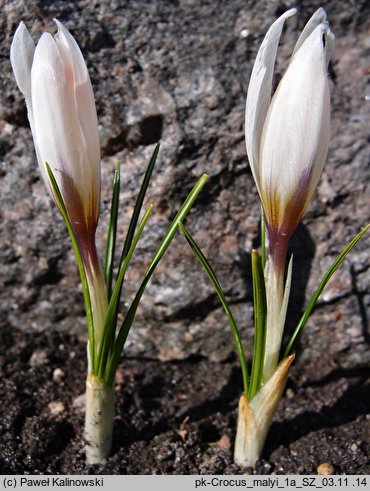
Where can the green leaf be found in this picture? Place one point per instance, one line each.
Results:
(126, 251)
(216, 285)
(111, 317)
(81, 267)
(286, 295)
(130, 315)
(260, 314)
(139, 204)
(112, 232)
(316, 295)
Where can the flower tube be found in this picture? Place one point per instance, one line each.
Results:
(287, 139)
(55, 83)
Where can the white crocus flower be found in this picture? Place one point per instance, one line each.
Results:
(56, 86)
(287, 139)
(55, 83)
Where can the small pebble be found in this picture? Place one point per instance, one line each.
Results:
(267, 467)
(182, 434)
(56, 408)
(58, 375)
(224, 442)
(244, 33)
(354, 447)
(120, 377)
(38, 358)
(79, 403)
(325, 469)
(293, 452)
(290, 393)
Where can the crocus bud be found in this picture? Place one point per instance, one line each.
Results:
(56, 86)
(55, 83)
(287, 137)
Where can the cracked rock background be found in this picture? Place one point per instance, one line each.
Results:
(176, 72)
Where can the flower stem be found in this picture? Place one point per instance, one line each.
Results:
(274, 324)
(98, 299)
(98, 419)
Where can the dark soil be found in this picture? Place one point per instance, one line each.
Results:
(171, 418)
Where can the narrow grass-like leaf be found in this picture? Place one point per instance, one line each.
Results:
(259, 304)
(112, 231)
(216, 285)
(130, 315)
(111, 317)
(263, 240)
(139, 204)
(324, 281)
(81, 267)
(288, 284)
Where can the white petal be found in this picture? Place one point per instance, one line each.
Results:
(329, 43)
(70, 49)
(86, 110)
(57, 129)
(318, 17)
(259, 92)
(21, 56)
(295, 138)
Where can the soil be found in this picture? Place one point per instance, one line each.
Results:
(171, 418)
